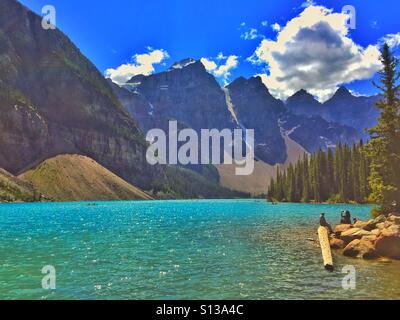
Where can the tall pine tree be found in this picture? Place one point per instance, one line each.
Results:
(383, 149)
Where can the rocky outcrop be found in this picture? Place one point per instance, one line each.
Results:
(388, 242)
(336, 243)
(341, 228)
(379, 237)
(353, 233)
(360, 248)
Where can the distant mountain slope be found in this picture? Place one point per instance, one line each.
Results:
(304, 103)
(258, 182)
(76, 177)
(255, 108)
(14, 189)
(343, 108)
(186, 93)
(358, 112)
(314, 132)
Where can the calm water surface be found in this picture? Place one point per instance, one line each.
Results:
(211, 249)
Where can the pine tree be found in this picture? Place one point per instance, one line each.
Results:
(325, 176)
(383, 150)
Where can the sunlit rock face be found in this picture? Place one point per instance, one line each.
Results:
(53, 100)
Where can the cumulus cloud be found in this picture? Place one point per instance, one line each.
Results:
(264, 23)
(276, 27)
(141, 64)
(221, 70)
(393, 40)
(314, 52)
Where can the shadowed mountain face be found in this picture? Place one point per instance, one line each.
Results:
(314, 133)
(357, 112)
(186, 93)
(255, 108)
(344, 108)
(304, 103)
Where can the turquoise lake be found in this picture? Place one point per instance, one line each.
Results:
(206, 249)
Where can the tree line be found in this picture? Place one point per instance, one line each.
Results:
(339, 175)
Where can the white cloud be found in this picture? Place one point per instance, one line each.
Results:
(264, 23)
(222, 70)
(314, 52)
(221, 56)
(248, 33)
(141, 64)
(357, 94)
(307, 4)
(276, 27)
(251, 34)
(393, 40)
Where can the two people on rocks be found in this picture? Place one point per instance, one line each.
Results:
(345, 218)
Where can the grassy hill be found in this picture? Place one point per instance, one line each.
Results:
(13, 189)
(76, 177)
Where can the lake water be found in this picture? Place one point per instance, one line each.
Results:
(208, 249)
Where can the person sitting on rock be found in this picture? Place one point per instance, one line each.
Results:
(345, 217)
(342, 217)
(323, 223)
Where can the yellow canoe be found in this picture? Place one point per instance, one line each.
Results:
(325, 247)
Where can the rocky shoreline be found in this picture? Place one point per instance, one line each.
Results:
(372, 239)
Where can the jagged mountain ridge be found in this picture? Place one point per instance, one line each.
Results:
(186, 92)
(358, 112)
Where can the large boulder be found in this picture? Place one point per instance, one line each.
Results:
(379, 219)
(336, 243)
(372, 238)
(370, 225)
(353, 233)
(360, 224)
(360, 249)
(394, 219)
(341, 228)
(388, 242)
(376, 232)
(384, 225)
(373, 223)
(397, 214)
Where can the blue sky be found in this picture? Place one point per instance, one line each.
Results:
(110, 33)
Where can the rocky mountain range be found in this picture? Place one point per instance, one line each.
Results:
(54, 101)
(187, 93)
(190, 95)
(358, 112)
